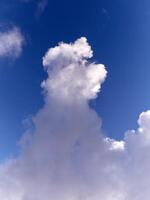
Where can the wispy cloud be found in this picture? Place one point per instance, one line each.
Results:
(40, 5)
(11, 43)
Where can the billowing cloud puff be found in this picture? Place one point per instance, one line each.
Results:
(11, 43)
(71, 76)
(65, 155)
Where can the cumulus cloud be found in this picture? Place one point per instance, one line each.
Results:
(65, 155)
(71, 76)
(11, 43)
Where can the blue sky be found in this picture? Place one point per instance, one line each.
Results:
(65, 66)
(118, 32)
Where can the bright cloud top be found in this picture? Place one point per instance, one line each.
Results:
(71, 76)
(66, 156)
(11, 43)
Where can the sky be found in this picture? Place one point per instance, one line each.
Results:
(67, 62)
(118, 32)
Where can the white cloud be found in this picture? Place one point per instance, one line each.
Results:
(73, 77)
(66, 156)
(11, 43)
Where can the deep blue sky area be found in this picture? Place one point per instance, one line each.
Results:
(119, 33)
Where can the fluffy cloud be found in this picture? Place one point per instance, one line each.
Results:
(11, 43)
(71, 76)
(66, 156)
